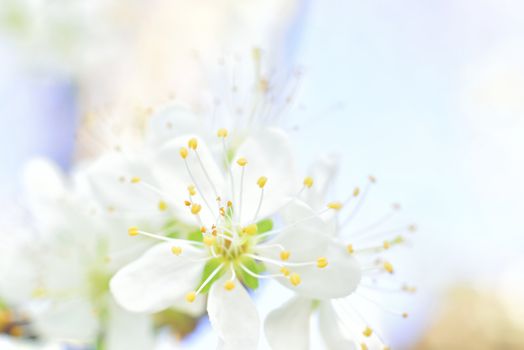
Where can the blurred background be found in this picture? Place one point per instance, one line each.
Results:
(426, 96)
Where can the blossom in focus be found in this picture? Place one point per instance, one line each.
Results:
(229, 195)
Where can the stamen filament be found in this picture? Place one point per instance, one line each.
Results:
(209, 278)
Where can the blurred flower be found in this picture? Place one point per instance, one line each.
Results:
(472, 318)
(288, 327)
(75, 254)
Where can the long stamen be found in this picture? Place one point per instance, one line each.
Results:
(261, 183)
(134, 231)
(209, 278)
(256, 275)
(230, 172)
(190, 173)
(284, 263)
(382, 307)
(139, 181)
(360, 202)
(206, 173)
(384, 219)
(242, 162)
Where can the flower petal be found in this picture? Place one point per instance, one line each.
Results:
(269, 154)
(67, 320)
(173, 177)
(288, 326)
(331, 330)
(233, 316)
(308, 240)
(338, 279)
(158, 279)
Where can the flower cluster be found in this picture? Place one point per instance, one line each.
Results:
(189, 224)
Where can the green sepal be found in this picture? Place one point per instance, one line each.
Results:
(264, 225)
(257, 268)
(209, 268)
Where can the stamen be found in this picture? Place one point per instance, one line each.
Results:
(250, 229)
(360, 201)
(162, 206)
(367, 332)
(322, 262)
(256, 275)
(294, 278)
(284, 255)
(261, 183)
(394, 209)
(190, 297)
(183, 153)
(209, 278)
(195, 208)
(135, 179)
(335, 205)
(135, 231)
(176, 250)
(242, 162)
(222, 133)
(308, 182)
(229, 285)
(193, 143)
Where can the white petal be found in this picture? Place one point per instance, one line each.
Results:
(158, 279)
(338, 279)
(109, 181)
(172, 176)
(288, 326)
(331, 331)
(269, 154)
(233, 316)
(307, 241)
(130, 331)
(323, 172)
(171, 122)
(72, 320)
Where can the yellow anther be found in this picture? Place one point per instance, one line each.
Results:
(183, 152)
(203, 229)
(388, 267)
(190, 297)
(162, 206)
(193, 143)
(372, 179)
(191, 189)
(242, 161)
(322, 262)
(363, 346)
(308, 182)
(284, 271)
(294, 278)
(386, 245)
(367, 332)
(284, 255)
(176, 250)
(135, 179)
(133, 231)
(195, 208)
(222, 133)
(250, 229)
(187, 203)
(209, 240)
(350, 248)
(356, 192)
(405, 315)
(229, 204)
(335, 205)
(262, 181)
(229, 285)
